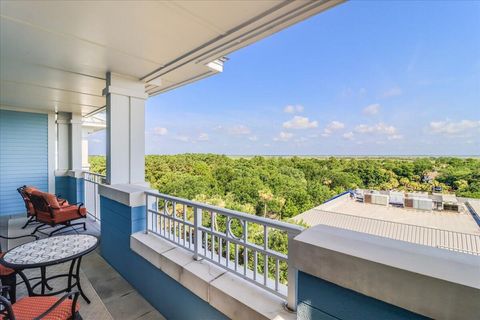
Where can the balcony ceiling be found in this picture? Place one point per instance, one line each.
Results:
(54, 54)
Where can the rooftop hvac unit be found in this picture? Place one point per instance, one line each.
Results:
(423, 204)
(397, 198)
(417, 195)
(408, 203)
(451, 206)
(380, 199)
(359, 195)
(367, 198)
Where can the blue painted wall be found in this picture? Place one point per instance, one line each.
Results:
(168, 296)
(70, 188)
(23, 156)
(323, 300)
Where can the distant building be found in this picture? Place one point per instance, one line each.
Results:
(438, 220)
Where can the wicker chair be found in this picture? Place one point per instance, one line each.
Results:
(8, 277)
(41, 307)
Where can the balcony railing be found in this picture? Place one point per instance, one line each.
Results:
(251, 247)
(92, 199)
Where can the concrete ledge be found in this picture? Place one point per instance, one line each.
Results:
(131, 195)
(69, 173)
(75, 173)
(433, 282)
(229, 294)
(61, 173)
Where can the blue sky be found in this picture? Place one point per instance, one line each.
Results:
(366, 77)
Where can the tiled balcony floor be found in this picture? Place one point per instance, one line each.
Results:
(112, 296)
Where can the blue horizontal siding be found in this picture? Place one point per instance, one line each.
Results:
(23, 156)
(70, 188)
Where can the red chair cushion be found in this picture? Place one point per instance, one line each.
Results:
(51, 200)
(31, 307)
(30, 189)
(64, 214)
(4, 271)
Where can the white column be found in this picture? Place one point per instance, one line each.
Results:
(76, 142)
(69, 141)
(85, 163)
(125, 130)
(52, 151)
(63, 141)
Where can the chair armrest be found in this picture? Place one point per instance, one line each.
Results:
(56, 304)
(19, 237)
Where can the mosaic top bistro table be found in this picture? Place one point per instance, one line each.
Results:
(48, 252)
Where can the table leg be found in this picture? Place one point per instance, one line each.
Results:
(70, 275)
(43, 280)
(27, 282)
(77, 277)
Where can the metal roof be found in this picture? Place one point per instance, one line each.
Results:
(435, 237)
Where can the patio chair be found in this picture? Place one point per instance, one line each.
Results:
(25, 192)
(51, 213)
(42, 307)
(8, 277)
(31, 216)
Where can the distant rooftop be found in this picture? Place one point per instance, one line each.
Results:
(454, 230)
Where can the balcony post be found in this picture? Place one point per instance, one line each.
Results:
(68, 174)
(125, 129)
(197, 222)
(292, 277)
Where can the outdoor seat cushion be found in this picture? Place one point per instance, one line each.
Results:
(30, 189)
(29, 308)
(51, 200)
(64, 214)
(4, 271)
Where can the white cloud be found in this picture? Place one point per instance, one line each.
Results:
(379, 128)
(203, 137)
(331, 127)
(297, 108)
(160, 131)
(299, 122)
(182, 138)
(348, 135)
(301, 139)
(283, 136)
(392, 92)
(450, 128)
(395, 137)
(253, 138)
(239, 130)
(372, 109)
